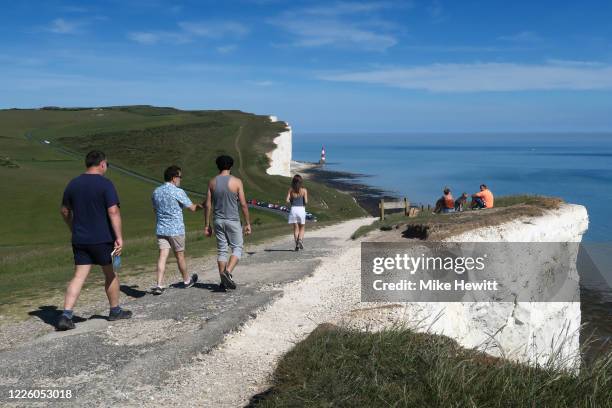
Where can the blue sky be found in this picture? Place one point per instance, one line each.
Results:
(421, 65)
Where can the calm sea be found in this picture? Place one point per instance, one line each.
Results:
(575, 167)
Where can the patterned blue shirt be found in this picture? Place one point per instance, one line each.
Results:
(168, 202)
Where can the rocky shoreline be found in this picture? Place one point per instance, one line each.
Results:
(366, 195)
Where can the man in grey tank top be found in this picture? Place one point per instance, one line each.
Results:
(224, 193)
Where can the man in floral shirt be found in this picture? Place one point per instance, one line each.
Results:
(168, 202)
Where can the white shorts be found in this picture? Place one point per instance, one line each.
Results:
(297, 215)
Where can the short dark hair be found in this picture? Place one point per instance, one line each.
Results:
(94, 158)
(484, 186)
(446, 190)
(224, 162)
(172, 172)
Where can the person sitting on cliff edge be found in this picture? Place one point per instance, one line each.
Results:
(446, 203)
(482, 199)
(461, 202)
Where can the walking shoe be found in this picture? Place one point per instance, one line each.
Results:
(64, 323)
(121, 314)
(222, 287)
(157, 290)
(297, 246)
(300, 244)
(226, 279)
(192, 281)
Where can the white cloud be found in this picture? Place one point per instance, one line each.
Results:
(214, 29)
(154, 37)
(188, 31)
(486, 77)
(337, 34)
(437, 12)
(340, 25)
(344, 8)
(523, 36)
(226, 49)
(62, 26)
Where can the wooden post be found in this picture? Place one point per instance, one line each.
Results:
(382, 209)
(406, 207)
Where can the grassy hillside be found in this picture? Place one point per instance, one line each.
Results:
(35, 255)
(162, 136)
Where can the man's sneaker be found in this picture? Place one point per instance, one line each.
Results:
(64, 323)
(300, 244)
(222, 287)
(121, 314)
(226, 279)
(157, 290)
(192, 281)
(297, 246)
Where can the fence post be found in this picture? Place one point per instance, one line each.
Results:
(406, 207)
(382, 209)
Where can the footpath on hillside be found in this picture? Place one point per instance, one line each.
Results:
(107, 363)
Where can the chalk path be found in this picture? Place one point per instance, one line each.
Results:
(150, 359)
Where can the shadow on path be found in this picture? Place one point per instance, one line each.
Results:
(213, 287)
(132, 292)
(278, 250)
(258, 398)
(50, 315)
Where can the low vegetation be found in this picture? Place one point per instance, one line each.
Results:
(427, 225)
(401, 368)
(8, 163)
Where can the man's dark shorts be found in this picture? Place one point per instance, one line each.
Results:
(93, 254)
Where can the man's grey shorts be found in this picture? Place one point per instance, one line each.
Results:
(229, 235)
(177, 243)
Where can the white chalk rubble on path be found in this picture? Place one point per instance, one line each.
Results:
(240, 367)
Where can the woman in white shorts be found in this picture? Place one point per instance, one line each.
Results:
(297, 197)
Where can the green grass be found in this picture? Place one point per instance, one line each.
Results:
(35, 243)
(401, 368)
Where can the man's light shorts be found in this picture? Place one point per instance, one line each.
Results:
(297, 215)
(176, 243)
(229, 236)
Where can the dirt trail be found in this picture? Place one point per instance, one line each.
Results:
(243, 174)
(151, 359)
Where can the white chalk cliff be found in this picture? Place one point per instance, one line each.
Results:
(523, 331)
(280, 157)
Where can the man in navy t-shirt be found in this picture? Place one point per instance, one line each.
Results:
(90, 208)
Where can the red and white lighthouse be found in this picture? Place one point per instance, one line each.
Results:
(322, 160)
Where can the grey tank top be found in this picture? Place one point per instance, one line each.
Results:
(225, 202)
(296, 201)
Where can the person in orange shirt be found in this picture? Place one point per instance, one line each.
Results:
(483, 199)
